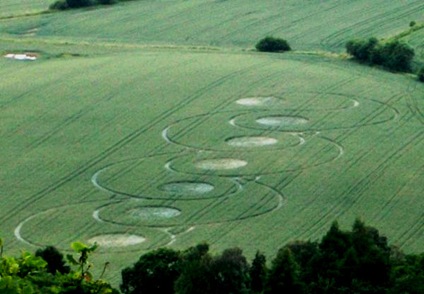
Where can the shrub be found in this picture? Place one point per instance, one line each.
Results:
(107, 2)
(79, 3)
(59, 5)
(397, 56)
(394, 55)
(421, 75)
(271, 44)
(66, 4)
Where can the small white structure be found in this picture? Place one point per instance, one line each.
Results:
(23, 56)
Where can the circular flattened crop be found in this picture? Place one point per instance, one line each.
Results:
(188, 188)
(251, 141)
(299, 100)
(281, 121)
(129, 178)
(220, 164)
(254, 199)
(313, 152)
(153, 212)
(260, 101)
(57, 227)
(116, 240)
(368, 112)
(217, 132)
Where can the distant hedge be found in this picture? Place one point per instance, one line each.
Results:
(71, 4)
(271, 44)
(393, 55)
(421, 75)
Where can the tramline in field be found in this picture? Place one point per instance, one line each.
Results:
(168, 133)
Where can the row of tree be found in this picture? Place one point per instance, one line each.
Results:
(355, 261)
(394, 55)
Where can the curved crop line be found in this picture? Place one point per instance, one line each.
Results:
(333, 143)
(301, 19)
(168, 139)
(95, 182)
(231, 224)
(376, 20)
(390, 203)
(18, 229)
(360, 187)
(120, 143)
(219, 109)
(322, 221)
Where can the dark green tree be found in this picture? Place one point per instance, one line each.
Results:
(258, 272)
(362, 49)
(306, 254)
(230, 272)
(271, 44)
(154, 272)
(79, 3)
(421, 75)
(196, 273)
(397, 56)
(408, 274)
(284, 274)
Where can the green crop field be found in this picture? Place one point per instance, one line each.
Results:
(156, 123)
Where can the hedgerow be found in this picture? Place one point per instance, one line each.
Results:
(393, 55)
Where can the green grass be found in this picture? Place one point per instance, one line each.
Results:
(111, 131)
(236, 23)
(13, 8)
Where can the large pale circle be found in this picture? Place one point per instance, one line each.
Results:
(220, 164)
(149, 213)
(277, 121)
(189, 188)
(117, 240)
(257, 101)
(251, 141)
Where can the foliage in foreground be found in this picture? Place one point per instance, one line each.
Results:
(271, 44)
(393, 55)
(46, 272)
(356, 261)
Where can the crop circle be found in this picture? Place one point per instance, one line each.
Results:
(129, 178)
(116, 240)
(220, 164)
(153, 212)
(190, 188)
(278, 121)
(251, 141)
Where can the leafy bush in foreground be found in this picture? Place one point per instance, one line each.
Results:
(46, 272)
(271, 44)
